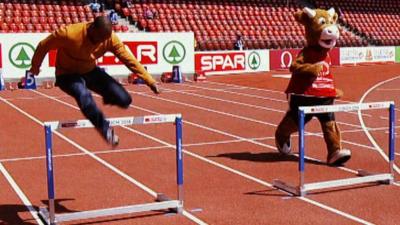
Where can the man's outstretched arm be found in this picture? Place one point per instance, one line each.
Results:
(53, 41)
(132, 63)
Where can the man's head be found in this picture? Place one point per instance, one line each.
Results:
(100, 30)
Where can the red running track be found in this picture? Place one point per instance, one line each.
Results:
(230, 160)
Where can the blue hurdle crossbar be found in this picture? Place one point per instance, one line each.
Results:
(386, 178)
(48, 214)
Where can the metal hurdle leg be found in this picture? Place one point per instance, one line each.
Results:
(296, 190)
(179, 168)
(392, 136)
(301, 151)
(179, 162)
(49, 215)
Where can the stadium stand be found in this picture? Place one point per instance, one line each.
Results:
(44, 16)
(264, 24)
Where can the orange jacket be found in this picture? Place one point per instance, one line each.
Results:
(77, 55)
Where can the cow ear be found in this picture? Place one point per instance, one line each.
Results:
(331, 12)
(301, 17)
(310, 12)
(335, 17)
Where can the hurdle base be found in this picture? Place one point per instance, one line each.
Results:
(385, 178)
(363, 173)
(163, 198)
(294, 190)
(172, 204)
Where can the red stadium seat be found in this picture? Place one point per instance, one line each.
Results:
(38, 28)
(67, 20)
(21, 28)
(54, 26)
(75, 20)
(117, 28)
(4, 28)
(47, 28)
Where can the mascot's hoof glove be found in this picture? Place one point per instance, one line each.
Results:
(339, 93)
(339, 157)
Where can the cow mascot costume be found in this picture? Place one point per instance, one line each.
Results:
(312, 84)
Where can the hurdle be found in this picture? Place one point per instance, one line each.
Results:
(363, 176)
(48, 214)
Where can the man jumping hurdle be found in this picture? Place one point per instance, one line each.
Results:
(79, 45)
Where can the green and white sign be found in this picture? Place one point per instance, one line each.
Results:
(167, 49)
(20, 55)
(254, 60)
(174, 52)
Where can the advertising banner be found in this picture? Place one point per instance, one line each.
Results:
(159, 52)
(281, 59)
(356, 55)
(225, 62)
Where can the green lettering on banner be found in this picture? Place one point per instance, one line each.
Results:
(398, 54)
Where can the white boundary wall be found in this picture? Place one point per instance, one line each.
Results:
(356, 55)
(154, 50)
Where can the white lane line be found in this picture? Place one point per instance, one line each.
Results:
(236, 93)
(206, 109)
(100, 160)
(101, 152)
(20, 194)
(258, 143)
(372, 140)
(344, 214)
(269, 146)
(32, 98)
(354, 218)
(240, 117)
(262, 89)
(232, 102)
(254, 106)
(388, 89)
(108, 151)
(250, 88)
(266, 98)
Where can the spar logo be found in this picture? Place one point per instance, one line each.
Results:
(219, 62)
(254, 60)
(20, 55)
(174, 52)
(144, 51)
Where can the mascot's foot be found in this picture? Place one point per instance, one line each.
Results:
(285, 148)
(339, 157)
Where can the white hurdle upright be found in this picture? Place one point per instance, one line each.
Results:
(364, 176)
(49, 216)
